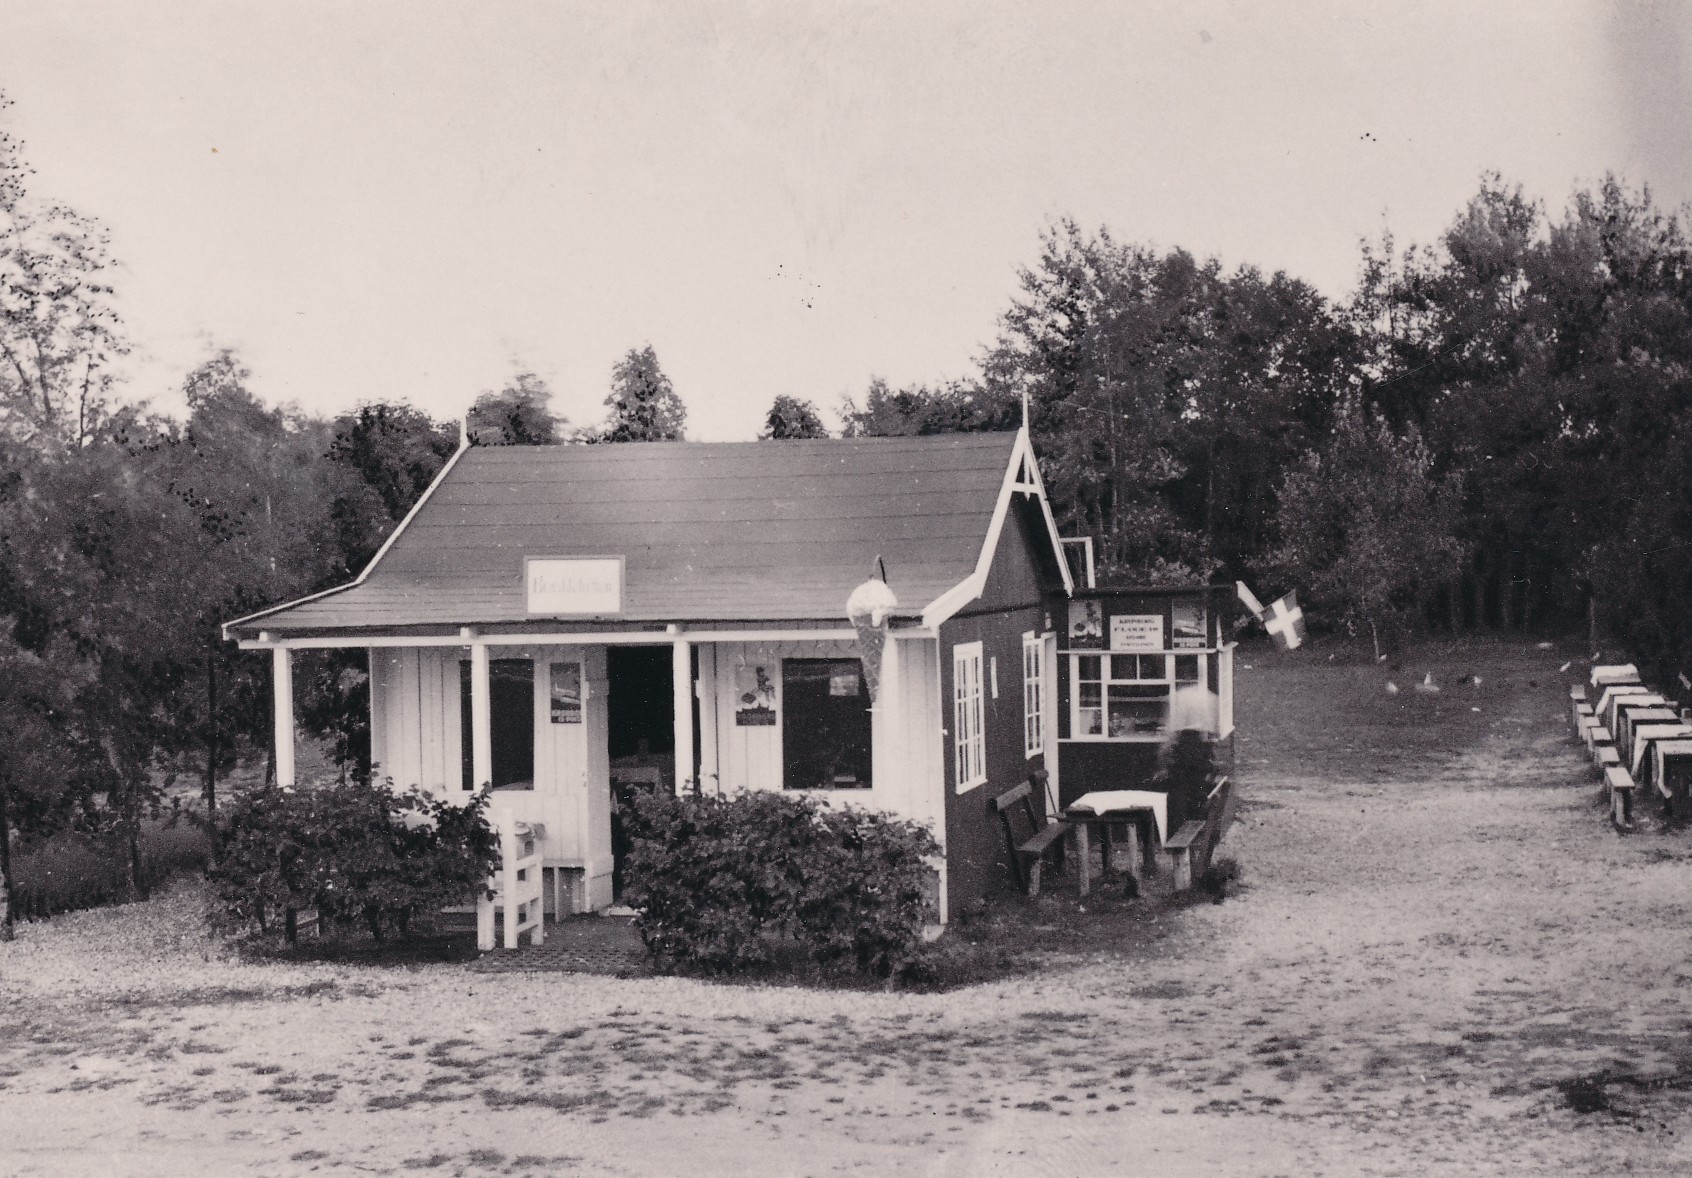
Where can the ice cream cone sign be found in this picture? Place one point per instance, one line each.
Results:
(869, 608)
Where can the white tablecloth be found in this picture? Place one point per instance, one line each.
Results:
(1106, 800)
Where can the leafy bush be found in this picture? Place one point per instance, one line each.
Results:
(719, 881)
(356, 852)
(72, 870)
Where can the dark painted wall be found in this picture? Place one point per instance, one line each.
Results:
(1013, 603)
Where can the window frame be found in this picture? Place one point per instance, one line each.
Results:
(969, 717)
(1033, 695)
(785, 712)
(1106, 679)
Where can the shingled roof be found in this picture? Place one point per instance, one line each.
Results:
(754, 531)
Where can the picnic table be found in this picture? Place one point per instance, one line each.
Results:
(1671, 769)
(1647, 735)
(1142, 811)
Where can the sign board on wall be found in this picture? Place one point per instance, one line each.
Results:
(561, 586)
(1086, 625)
(754, 697)
(1136, 632)
(566, 689)
(1187, 625)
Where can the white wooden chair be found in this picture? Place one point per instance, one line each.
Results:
(516, 900)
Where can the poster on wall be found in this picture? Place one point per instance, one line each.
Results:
(1186, 624)
(1086, 625)
(566, 693)
(1136, 632)
(754, 697)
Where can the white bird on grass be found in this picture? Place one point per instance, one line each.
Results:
(1427, 686)
(1392, 688)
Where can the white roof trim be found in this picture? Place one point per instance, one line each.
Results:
(972, 586)
(440, 476)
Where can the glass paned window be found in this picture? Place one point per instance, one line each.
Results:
(968, 716)
(1120, 696)
(1033, 696)
(511, 723)
(1089, 696)
(825, 724)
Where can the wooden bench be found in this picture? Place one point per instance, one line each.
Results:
(1607, 756)
(1190, 848)
(1032, 846)
(1180, 849)
(1620, 787)
(1596, 734)
(1582, 713)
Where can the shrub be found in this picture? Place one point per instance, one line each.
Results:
(72, 870)
(719, 881)
(357, 852)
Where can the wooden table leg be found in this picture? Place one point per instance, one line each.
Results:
(1083, 859)
(1133, 848)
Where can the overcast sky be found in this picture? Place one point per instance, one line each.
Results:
(406, 200)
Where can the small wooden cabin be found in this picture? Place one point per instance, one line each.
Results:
(568, 622)
(563, 621)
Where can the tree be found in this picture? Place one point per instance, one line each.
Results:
(60, 333)
(395, 449)
(952, 407)
(1365, 527)
(37, 756)
(520, 414)
(644, 405)
(790, 417)
(1167, 395)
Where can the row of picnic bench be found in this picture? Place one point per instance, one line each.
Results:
(1637, 738)
(1036, 835)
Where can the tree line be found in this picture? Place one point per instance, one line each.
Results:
(1491, 431)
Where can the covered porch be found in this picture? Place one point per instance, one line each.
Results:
(562, 721)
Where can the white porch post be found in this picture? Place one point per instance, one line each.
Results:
(282, 692)
(481, 718)
(682, 676)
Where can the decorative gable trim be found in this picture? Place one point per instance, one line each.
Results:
(1022, 477)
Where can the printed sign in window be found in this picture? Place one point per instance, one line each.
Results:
(1186, 625)
(1136, 632)
(1086, 625)
(566, 693)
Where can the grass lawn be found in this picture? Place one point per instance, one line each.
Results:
(1443, 961)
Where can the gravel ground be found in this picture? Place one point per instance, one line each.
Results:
(1443, 962)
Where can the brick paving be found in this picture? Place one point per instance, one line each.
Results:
(576, 944)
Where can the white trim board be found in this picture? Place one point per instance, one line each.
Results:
(570, 638)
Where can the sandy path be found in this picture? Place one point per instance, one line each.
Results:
(1438, 929)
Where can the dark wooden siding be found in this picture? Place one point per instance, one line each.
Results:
(1014, 602)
